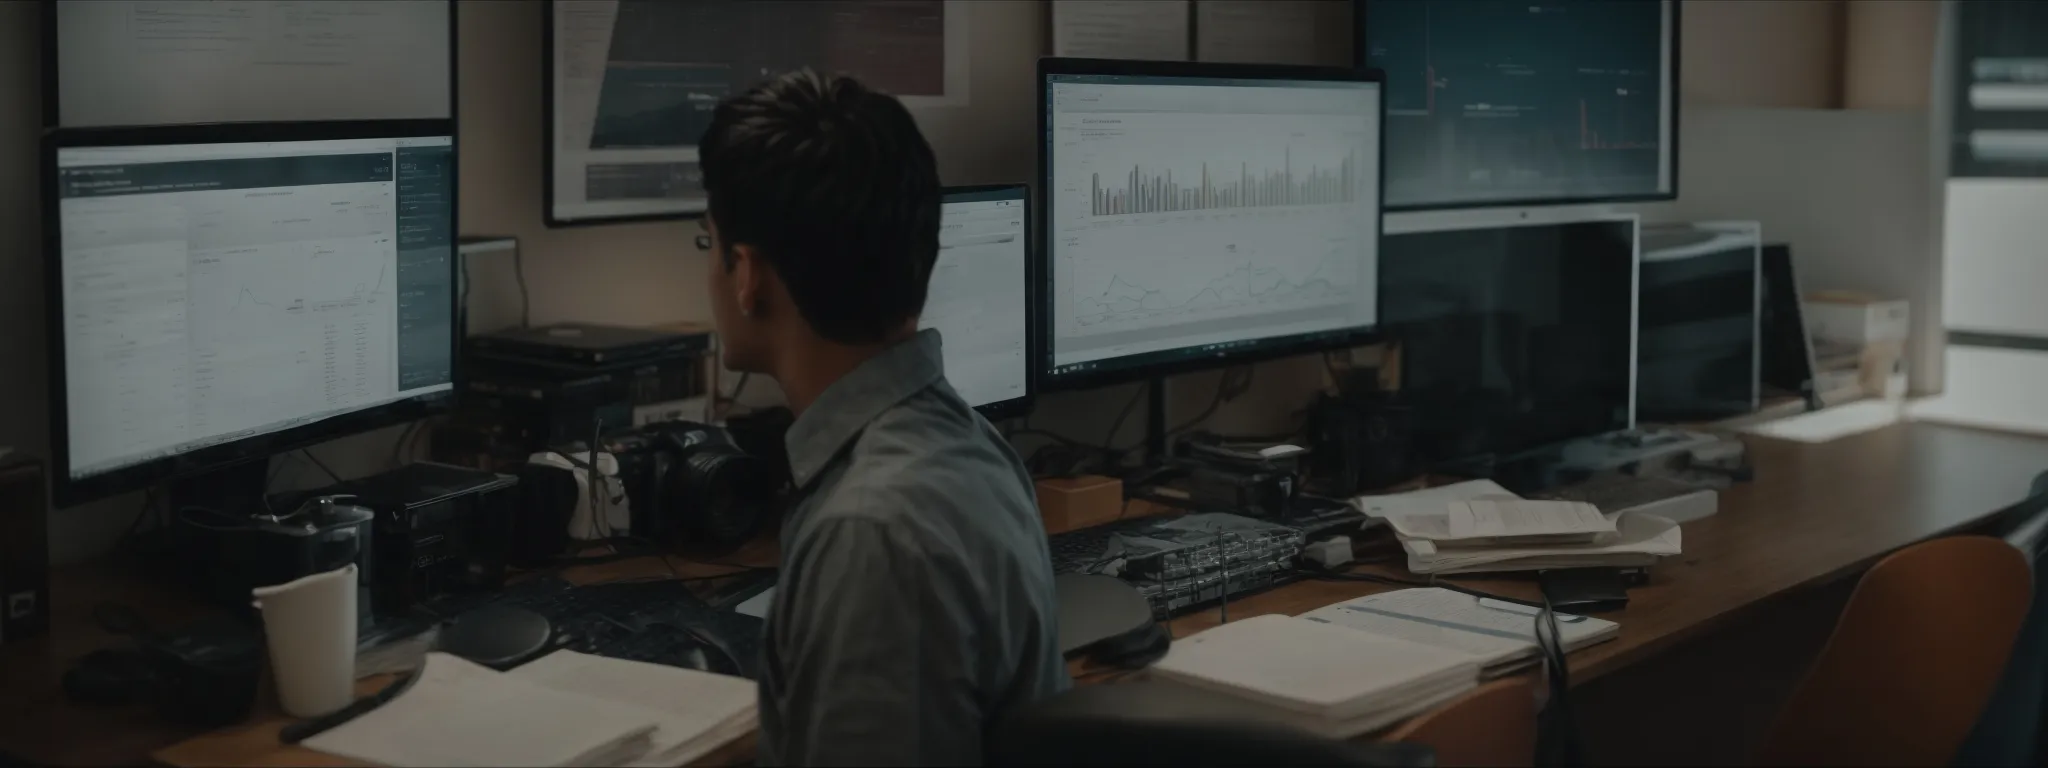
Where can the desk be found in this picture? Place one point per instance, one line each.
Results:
(1814, 513)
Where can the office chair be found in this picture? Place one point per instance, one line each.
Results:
(1912, 661)
(1149, 724)
(2015, 719)
(1494, 725)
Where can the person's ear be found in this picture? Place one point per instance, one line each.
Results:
(748, 280)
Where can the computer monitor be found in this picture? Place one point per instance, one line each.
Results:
(1786, 367)
(221, 293)
(1511, 102)
(149, 62)
(1515, 330)
(1198, 215)
(1697, 354)
(980, 297)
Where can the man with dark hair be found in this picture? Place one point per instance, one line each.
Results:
(915, 601)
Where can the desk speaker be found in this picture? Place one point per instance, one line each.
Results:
(24, 551)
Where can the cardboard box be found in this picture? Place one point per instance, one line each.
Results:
(1073, 503)
(1849, 317)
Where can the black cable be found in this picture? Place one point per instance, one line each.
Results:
(1225, 392)
(398, 446)
(321, 464)
(739, 386)
(135, 526)
(1112, 456)
(525, 299)
(1557, 736)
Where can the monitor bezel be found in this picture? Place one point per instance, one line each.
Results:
(1267, 349)
(1361, 57)
(1016, 406)
(67, 491)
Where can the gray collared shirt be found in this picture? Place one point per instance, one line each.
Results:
(915, 604)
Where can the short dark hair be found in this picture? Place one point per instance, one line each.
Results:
(834, 186)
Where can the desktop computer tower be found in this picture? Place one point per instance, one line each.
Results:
(24, 551)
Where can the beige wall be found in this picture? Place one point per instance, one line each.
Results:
(1761, 53)
(1888, 53)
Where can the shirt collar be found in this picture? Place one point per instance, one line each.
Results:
(851, 403)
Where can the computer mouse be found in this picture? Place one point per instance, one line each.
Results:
(498, 637)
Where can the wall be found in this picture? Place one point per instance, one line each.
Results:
(1888, 53)
(1769, 53)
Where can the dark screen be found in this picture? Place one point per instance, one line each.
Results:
(1502, 100)
(1511, 338)
(1696, 356)
(1787, 356)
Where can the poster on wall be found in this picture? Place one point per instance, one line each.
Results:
(2000, 93)
(632, 84)
(1151, 30)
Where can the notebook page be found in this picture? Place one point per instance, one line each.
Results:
(686, 705)
(460, 714)
(1306, 666)
(1447, 619)
(1499, 518)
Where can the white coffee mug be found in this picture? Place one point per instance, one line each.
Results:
(310, 626)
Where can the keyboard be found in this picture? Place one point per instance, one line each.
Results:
(1180, 562)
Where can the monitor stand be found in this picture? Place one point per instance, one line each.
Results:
(1155, 421)
(237, 490)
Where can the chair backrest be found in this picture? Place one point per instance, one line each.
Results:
(1146, 723)
(1914, 657)
(1494, 725)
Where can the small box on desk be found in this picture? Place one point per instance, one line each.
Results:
(1084, 501)
(1849, 317)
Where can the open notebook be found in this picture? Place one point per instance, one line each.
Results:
(1501, 635)
(568, 709)
(1331, 680)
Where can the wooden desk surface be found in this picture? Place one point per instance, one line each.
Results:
(1813, 513)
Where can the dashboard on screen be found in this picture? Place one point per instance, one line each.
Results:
(979, 297)
(215, 293)
(1500, 102)
(1202, 218)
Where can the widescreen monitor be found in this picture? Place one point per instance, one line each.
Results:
(1524, 102)
(222, 293)
(980, 295)
(1513, 333)
(1200, 215)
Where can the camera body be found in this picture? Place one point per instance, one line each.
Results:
(692, 488)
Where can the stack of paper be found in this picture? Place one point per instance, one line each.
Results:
(568, 709)
(1479, 527)
(694, 712)
(1501, 635)
(1330, 680)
